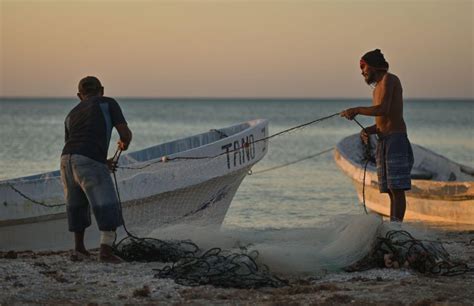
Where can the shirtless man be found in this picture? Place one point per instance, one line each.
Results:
(394, 155)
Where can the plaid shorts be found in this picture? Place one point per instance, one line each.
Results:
(87, 184)
(394, 162)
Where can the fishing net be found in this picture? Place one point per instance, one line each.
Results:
(222, 269)
(192, 267)
(204, 204)
(398, 248)
(191, 190)
(249, 258)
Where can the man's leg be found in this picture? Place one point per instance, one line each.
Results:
(77, 208)
(99, 189)
(106, 253)
(399, 162)
(398, 205)
(392, 205)
(79, 243)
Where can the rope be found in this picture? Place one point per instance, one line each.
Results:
(191, 266)
(222, 269)
(247, 144)
(32, 200)
(151, 249)
(300, 126)
(363, 187)
(293, 162)
(358, 123)
(117, 156)
(213, 267)
(367, 158)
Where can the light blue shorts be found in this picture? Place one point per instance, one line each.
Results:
(87, 184)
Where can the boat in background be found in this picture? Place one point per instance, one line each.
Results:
(442, 190)
(190, 180)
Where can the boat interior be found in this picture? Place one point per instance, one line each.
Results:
(184, 144)
(428, 165)
(160, 150)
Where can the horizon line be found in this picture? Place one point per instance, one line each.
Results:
(233, 98)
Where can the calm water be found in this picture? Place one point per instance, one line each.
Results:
(304, 194)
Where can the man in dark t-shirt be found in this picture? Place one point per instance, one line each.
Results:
(85, 170)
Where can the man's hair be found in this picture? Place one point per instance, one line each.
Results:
(375, 59)
(89, 85)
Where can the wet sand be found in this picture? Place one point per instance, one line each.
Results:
(53, 278)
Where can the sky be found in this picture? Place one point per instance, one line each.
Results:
(225, 48)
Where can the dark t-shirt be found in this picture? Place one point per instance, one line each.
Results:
(89, 127)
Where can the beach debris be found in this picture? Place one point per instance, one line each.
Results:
(41, 265)
(399, 249)
(79, 256)
(142, 292)
(9, 255)
(56, 275)
(18, 285)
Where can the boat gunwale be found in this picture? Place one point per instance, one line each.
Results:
(255, 122)
(420, 188)
(373, 171)
(251, 125)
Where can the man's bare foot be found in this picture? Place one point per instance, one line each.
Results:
(389, 262)
(83, 251)
(79, 255)
(106, 254)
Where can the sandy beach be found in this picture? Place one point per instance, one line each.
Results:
(53, 278)
(234, 132)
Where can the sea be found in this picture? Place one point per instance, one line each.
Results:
(301, 195)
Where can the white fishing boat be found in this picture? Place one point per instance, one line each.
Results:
(442, 190)
(190, 180)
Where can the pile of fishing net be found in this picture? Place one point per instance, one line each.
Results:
(399, 249)
(350, 243)
(193, 267)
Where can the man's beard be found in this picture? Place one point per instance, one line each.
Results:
(370, 78)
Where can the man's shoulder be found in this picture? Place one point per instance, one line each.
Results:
(105, 99)
(392, 77)
(78, 108)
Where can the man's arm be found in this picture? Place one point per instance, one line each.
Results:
(66, 134)
(365, 133)
(66, 131)
(125, 136)
(382, 104)
(371, 129)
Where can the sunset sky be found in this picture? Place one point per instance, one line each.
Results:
(230, 48)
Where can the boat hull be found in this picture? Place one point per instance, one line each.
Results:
(189, 206)
(431, 201)
(419, 209)
(191, 180)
